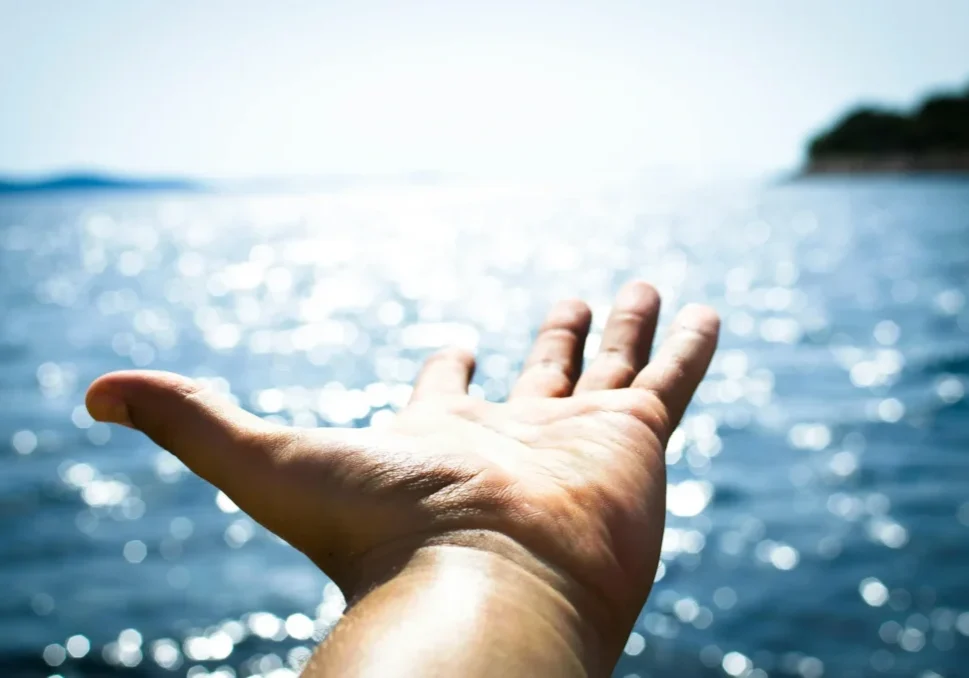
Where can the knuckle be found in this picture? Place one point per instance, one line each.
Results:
(618, 350)
(555, 334)
(556, 382)
(647, 406)
(550, 367)
(451, 354)
(616, 361)
(701, 334)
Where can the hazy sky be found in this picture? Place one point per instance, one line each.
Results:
(242, 88)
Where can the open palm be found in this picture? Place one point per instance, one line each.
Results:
(571, 466)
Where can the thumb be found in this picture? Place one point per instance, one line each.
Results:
(215, 438)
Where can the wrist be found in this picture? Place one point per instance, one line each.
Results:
(475, 565)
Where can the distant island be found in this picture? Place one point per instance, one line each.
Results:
(87, 182)
(94, 182)
(933, 137)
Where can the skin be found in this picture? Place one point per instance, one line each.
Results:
(470, 538)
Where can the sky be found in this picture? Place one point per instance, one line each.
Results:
(237, 88)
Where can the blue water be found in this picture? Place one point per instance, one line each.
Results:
(823, 527)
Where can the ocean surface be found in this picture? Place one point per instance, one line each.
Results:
(819, 500)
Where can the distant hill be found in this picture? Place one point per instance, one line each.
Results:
(94, 182)
(934, 136)
(292, 184)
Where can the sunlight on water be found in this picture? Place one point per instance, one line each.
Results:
(815, 526)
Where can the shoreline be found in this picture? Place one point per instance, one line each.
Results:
(935, 163)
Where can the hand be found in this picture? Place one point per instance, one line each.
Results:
(569, 471)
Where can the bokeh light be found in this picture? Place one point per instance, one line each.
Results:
(816, 526)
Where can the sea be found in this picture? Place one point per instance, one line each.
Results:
(818, 513)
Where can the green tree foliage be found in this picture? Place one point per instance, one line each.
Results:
(938, 125)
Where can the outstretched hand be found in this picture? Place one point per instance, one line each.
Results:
(569, 470)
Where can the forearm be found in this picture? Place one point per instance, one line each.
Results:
(464, 610)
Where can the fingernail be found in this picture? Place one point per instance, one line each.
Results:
(110, 410)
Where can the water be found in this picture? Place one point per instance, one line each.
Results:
(819, 513)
